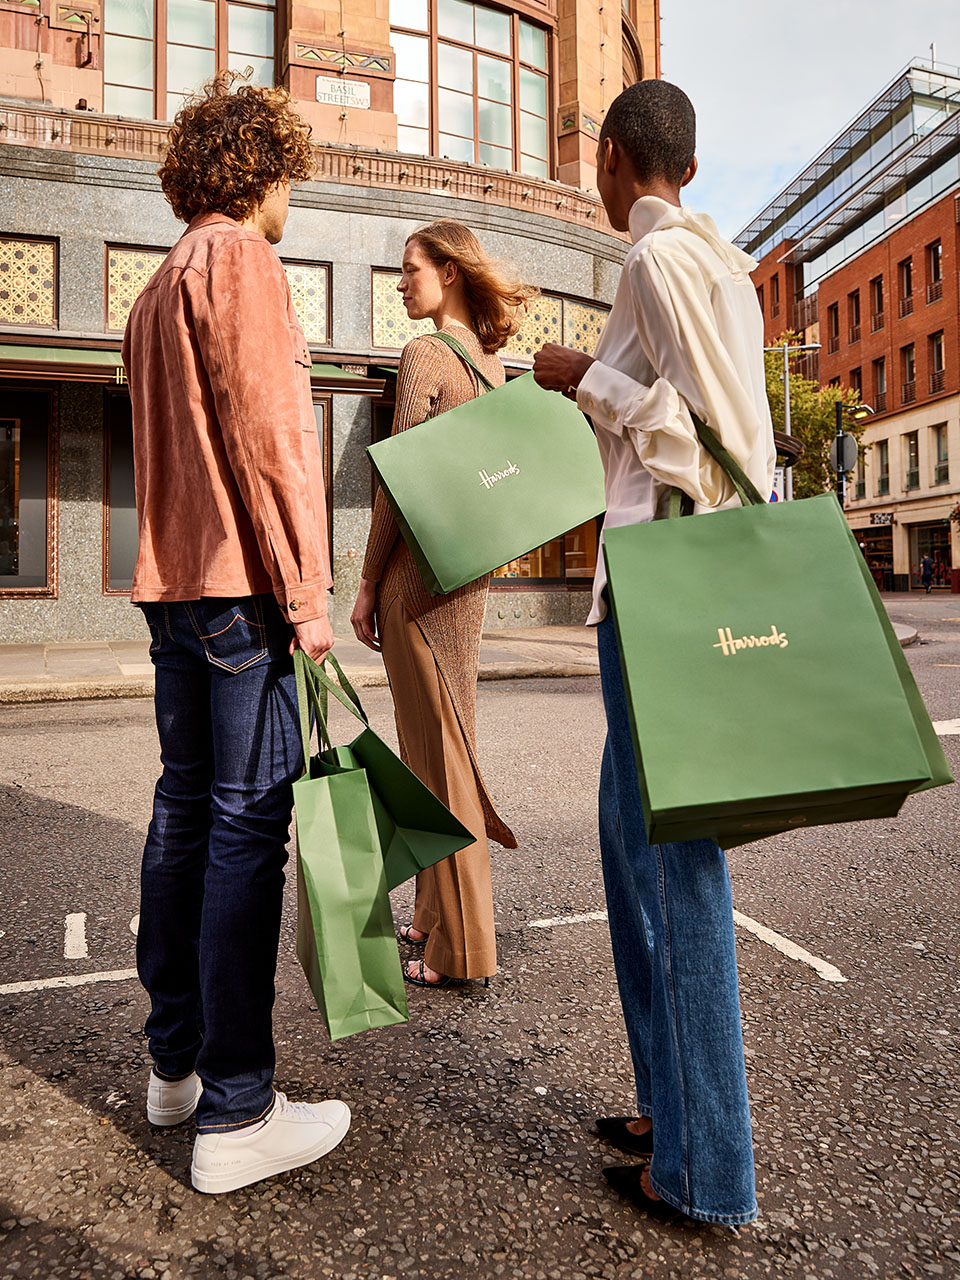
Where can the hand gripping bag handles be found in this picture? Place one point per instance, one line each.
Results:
(766, 686)
(482, 484)
(365, 824)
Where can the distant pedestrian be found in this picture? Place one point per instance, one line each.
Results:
(926, 573)
(685, 335)
(232, 574)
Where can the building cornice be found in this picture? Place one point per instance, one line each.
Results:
(72, 133)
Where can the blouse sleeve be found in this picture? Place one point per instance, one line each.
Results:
(418, 385)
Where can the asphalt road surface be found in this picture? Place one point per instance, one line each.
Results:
(471, 1152)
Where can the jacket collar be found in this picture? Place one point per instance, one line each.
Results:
(650, 213)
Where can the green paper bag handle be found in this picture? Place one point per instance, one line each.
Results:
(459, 349)
(313, 685)
(681, 504)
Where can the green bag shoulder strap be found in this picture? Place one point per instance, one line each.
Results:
(457, 347)
(313, 686)
(681, 504)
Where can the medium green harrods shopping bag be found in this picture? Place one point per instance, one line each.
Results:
(365, 823)
(766, 686)
(482, 484)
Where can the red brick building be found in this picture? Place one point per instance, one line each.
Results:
(861, 253)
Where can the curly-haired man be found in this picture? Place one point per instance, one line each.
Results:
(232, 574)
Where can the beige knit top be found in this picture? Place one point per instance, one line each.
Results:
(431, 380)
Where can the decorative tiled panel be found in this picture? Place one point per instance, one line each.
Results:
(582, 325)
(391, 326)
(129, 271)
(309, 287)
(28, 282)
(542, 323)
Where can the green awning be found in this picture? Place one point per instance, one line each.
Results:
(60, 355)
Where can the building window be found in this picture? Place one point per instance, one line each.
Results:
(28, 282)
(856, 382)
(935, 355)
(934, 257)
(880, 385)
(196, 39)
(471, 84)
(883, 467)
(931, 540)
(941, 464)
(129, 271)
(908, 374)
(876, 304)
(774, 295)
(905, 281)
(760, 297)
(911, 460)
(28, 448)
(860, 474)
(833, 328)
(570, 560)
(853, 314)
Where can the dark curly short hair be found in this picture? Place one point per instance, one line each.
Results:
(655, 124)
(229, 144)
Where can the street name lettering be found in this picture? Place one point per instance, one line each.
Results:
(731, 644)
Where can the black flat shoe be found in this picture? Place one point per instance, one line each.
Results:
(614, 1130)
(625, 1179)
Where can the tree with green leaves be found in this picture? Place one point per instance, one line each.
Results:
(813, 420)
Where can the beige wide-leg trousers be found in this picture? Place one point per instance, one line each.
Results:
(454, 902)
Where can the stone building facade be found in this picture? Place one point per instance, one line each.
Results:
(420, 109)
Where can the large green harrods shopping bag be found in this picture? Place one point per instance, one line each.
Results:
(482, 484)
(365, 823)
(766, 686)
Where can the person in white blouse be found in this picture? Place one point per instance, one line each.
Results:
(685, 335)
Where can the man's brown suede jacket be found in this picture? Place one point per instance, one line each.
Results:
(228, 468)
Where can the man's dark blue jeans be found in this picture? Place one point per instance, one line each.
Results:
(212, 876)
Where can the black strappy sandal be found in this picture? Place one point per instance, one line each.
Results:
(420, 980)
(403, 933)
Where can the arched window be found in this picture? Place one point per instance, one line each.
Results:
(155, 52)
(472, 84)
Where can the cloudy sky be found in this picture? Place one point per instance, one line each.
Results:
(772, 83)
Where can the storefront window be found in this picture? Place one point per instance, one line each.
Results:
(27, 527)
(931, 540)
(877, 547)
(568, 560)
(491, 101)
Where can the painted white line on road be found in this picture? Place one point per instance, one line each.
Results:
(787, 948)
(826, 971)
(72, 980)
(946, 726)
(75, 936)
(550, 924)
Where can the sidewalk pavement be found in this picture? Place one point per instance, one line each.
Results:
(122, 668)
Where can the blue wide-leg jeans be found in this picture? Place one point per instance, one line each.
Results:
(671, 926)
(211, 888)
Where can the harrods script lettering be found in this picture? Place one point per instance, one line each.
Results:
(731, 644)
(488, 480)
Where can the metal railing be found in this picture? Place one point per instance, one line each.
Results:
(883, 486)
(913, 478)
(934, 291)
(908, 393)
(854, 333)
(877, 321)
(833, 344)
(941, 473)
(937, 380)
(880, 402)
(906, 306)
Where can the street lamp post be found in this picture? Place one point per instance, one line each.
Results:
(787, 352)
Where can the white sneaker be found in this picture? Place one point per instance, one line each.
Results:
(172, 1101)
(293, 1134)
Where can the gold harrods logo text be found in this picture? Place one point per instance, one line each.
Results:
(488, 479)
(731, 644)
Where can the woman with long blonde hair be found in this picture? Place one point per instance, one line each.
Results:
(431, 644)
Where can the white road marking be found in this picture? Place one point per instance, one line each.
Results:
(946, 726)
(71, 980)
(826, 971)
(135, 924)
(550, 924)
(790, 949)
(75, 936)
